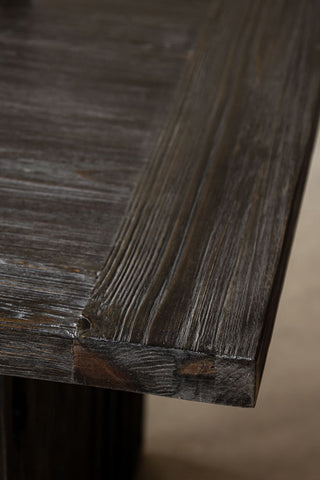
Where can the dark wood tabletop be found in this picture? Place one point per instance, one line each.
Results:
(152, 163)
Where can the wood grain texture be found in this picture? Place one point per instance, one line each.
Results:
(196, 263)
(172, 140)
(85, 89)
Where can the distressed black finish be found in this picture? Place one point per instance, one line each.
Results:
(62, 431)
(153, 158)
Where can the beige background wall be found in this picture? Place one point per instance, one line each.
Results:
(280, 438)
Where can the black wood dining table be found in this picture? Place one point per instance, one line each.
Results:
(153, 157)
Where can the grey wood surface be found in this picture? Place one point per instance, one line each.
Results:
(153, 158)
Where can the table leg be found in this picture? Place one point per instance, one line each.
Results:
(58, 431)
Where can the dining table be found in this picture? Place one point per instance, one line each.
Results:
(153, 158)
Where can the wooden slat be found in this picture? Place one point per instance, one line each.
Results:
(199, 260)
(155, 156)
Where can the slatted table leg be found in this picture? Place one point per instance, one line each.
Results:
(51, 430)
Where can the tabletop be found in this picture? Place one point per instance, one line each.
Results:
(152, 163)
